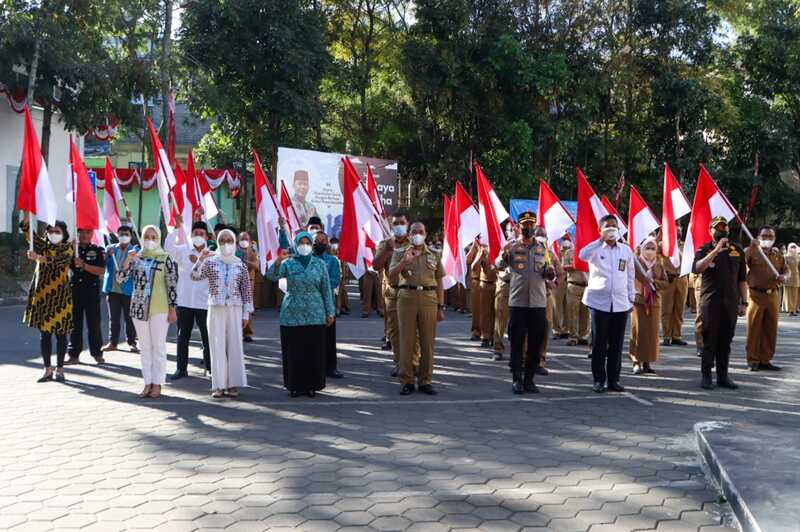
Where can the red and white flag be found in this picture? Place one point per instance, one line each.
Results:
(267, 215)
(203, 195)
(674, 206)
(111, 196)
(358, 214)
(492, 214)
(165, 178)
(587, 226)
(641, 220)
(372, 190)
(80, 192)
(289, 214)
(467, 217)
(451, 263)
(623, 229)
(184, 193)
(709, 202)
(35, 190)
(552, 215)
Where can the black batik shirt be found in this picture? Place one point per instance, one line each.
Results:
(94, 256)
(720, 281)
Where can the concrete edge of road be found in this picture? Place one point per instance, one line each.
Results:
(12, 301)
(747, 521)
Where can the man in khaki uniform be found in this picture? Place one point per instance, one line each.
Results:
(673, 302)
(386, 249)
(488, 279)
(578, 313)
(420, 304)
(371, 297)
(474, 265)
(763, 299)
(560, 308)
(501, 310)
(691, 299)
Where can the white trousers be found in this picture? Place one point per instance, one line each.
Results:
(225, 343)
(152, 336)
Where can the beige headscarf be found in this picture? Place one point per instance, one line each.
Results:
(645, 242)
(158, 252)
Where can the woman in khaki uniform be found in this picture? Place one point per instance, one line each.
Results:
(792, 286)
(646, 314)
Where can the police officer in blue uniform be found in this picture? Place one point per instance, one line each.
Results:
(88, 268)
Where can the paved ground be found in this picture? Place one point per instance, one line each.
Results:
(90, 455)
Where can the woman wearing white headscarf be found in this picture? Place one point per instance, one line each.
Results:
(230, 303)
(153, 302)
(646, 315)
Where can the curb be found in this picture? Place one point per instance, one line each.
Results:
(12, 301)
(747, 520)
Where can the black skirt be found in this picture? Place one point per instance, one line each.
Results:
(303, 354)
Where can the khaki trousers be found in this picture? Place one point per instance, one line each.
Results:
(501, 313)
(578, 323)
(560, 309)
(673, 302)
(416, 316)
(475, 306)
(487, 311)
(762, 325)
(392, 327)
(371, 293)
(791, 293)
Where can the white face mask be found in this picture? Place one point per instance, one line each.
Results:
(541, 239)
(400, 230)
(417, 240)
(198, 241)
(766, 243)
(227, 249)
(649, 254)
(124, 239)
(334, 247)
(150, 245)
(303, 250)
(792, 250)
(244, 244)
(313, 231)
(55, 238)
(611, 233)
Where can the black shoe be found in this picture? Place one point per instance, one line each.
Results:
(71, 361)
(530, 388)
(615, 387)
(699, 353)
(335, 374)
(395, 371)
(407, 389)
(497, 356)
(474, 338)
(564, 336)
(248, 339)
(45, 378)
(648, 369)
(706, 383)
(769, 366)
(428, 389)
(583, 342)
(364, 315)
(589, 355)
(346, 312)
(133, 348)
(517, 387)
(542, 371)
(99, 360)
(679, 342)
(755, 366)
(486, 343)
(311, 393)
(387, 345)
(60, 376)
(556, 337)
(598, 387)
(178, 375)
(727, 382)
(666, 342)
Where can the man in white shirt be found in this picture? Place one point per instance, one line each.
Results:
(609, 296)
(192, 295)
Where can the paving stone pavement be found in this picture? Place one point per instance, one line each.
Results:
(89, 455)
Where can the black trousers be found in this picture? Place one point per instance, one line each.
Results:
(187, 318)
(46, 347)
(119, 305)
(718, 330)
(531, 323)
(85, 305)
(608, 334)
(330, 349)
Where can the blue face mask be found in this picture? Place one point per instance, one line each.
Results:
(400, 230)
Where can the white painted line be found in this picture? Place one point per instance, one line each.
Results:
(638, 399)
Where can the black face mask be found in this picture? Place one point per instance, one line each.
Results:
(528, 232)
(719, 235)
(319, 249)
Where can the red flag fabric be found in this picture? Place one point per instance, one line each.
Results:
(35, 190)
(587, 228)
(289, 214)
(674, 206)
(449, 245)
(641, 220)
(468, 217)
(86, 211)
(111, 196)
(709, 202)
(552, 215)
(165, 178)
(492, 214)
(357, 214)
(267, 215)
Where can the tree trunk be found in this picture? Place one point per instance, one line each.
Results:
(243, 199)
(166, 46)
(47, 122)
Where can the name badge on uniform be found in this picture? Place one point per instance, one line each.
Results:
(622, 265)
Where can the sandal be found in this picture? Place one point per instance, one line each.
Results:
(233, 393)
(155, 391)
(145, 392)
(217, 394)
(48, 375)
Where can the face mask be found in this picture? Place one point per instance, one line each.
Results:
(319, 249)
(244, 244)
(227, 249)
(527, 232)
(541, 239)
(793, 250)
(313, 231)
(198, 241)
(649, 254)
(611, 233)
(303, 250)
(334, 247)
(124, 239)
(719, 235)
(150, 245)
(417, 240)
(566, 244)
(400, 230)
(766, 243)
(55, 238)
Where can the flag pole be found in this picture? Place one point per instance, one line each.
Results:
(30, 230)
